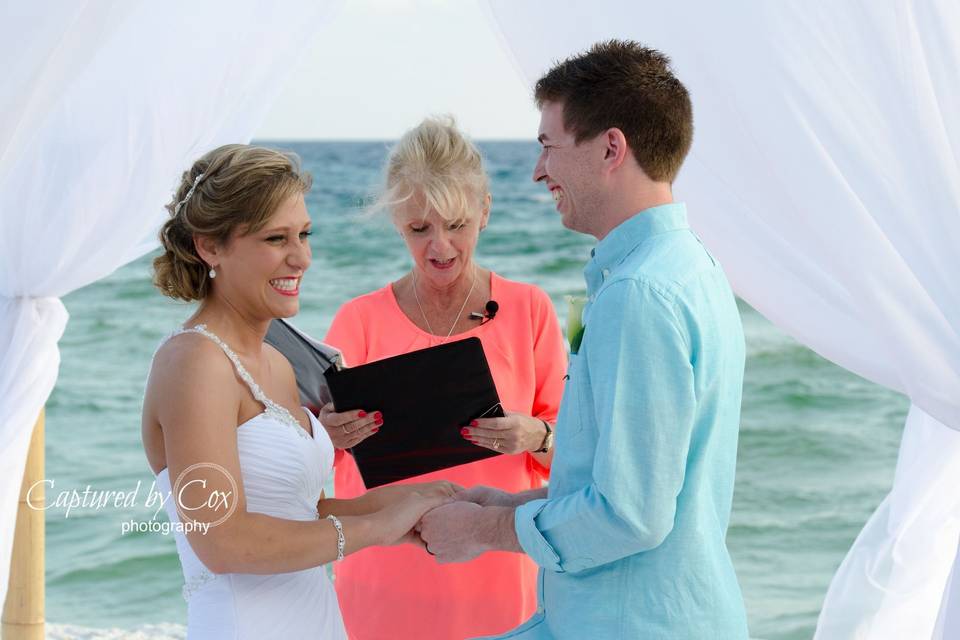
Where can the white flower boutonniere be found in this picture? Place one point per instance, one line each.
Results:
(575, 305)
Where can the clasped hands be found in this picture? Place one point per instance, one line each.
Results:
(453, 524)
(466, 526)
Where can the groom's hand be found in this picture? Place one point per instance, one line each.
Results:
(449, 532)
(487, 497)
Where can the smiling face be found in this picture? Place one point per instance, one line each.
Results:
(571, 171)
(260, 273)
(442, 249)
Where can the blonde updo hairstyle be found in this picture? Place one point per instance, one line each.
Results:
(241, 188)
(436, 162)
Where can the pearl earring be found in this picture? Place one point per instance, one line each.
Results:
(213, 272)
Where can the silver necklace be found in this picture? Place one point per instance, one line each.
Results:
(459, 313)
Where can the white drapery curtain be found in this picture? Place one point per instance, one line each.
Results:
(824, 174)
(102, 106)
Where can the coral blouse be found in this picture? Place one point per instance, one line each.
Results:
(401, 592)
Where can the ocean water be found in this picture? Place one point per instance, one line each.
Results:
(817, 448)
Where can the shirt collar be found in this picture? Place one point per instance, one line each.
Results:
(629, 234)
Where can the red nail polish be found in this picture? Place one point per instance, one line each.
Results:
(377, 416)
(378, 421)
(362, 414)
(464, 432)
(473, 423)
(375, 429)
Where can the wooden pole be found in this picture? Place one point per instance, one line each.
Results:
(23, 610)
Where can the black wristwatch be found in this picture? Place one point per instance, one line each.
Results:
(547, 439)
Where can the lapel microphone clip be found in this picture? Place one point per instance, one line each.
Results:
(489, 312)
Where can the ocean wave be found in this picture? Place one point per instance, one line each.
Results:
(165, 631)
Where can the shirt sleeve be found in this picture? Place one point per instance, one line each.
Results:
(550, 365)
(641, 390)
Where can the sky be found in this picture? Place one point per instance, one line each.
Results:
(380, 66)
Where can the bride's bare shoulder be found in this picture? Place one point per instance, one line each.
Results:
(282, 366)
(188, 359)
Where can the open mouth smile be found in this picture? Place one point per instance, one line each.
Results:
(286, 286)
(442, 264)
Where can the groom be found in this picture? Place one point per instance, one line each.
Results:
(630, 536)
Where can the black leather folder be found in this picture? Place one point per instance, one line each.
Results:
(426, 397)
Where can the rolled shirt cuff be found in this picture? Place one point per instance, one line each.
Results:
(531, 540)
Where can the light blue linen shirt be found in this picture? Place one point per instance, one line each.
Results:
(631, 538)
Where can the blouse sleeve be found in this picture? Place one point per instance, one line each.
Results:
(550, 364)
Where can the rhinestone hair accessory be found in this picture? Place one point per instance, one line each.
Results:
(193, 187)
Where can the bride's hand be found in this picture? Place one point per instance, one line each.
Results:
(437, 488)
(385, 496)
(396, 523)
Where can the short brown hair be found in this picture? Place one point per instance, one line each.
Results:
(241, 187)
(622, 84)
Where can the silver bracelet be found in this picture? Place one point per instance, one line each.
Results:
(341, 541)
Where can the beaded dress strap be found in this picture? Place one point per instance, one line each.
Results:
(235, 359)
(272, 408)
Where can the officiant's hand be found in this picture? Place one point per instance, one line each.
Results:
(514, 433)
(350, 428)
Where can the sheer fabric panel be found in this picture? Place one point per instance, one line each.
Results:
(103, 105)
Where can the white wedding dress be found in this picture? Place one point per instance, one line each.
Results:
(283, 470)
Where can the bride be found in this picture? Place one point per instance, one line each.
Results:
(245, 465)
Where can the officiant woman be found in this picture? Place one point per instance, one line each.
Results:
(437, 194)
